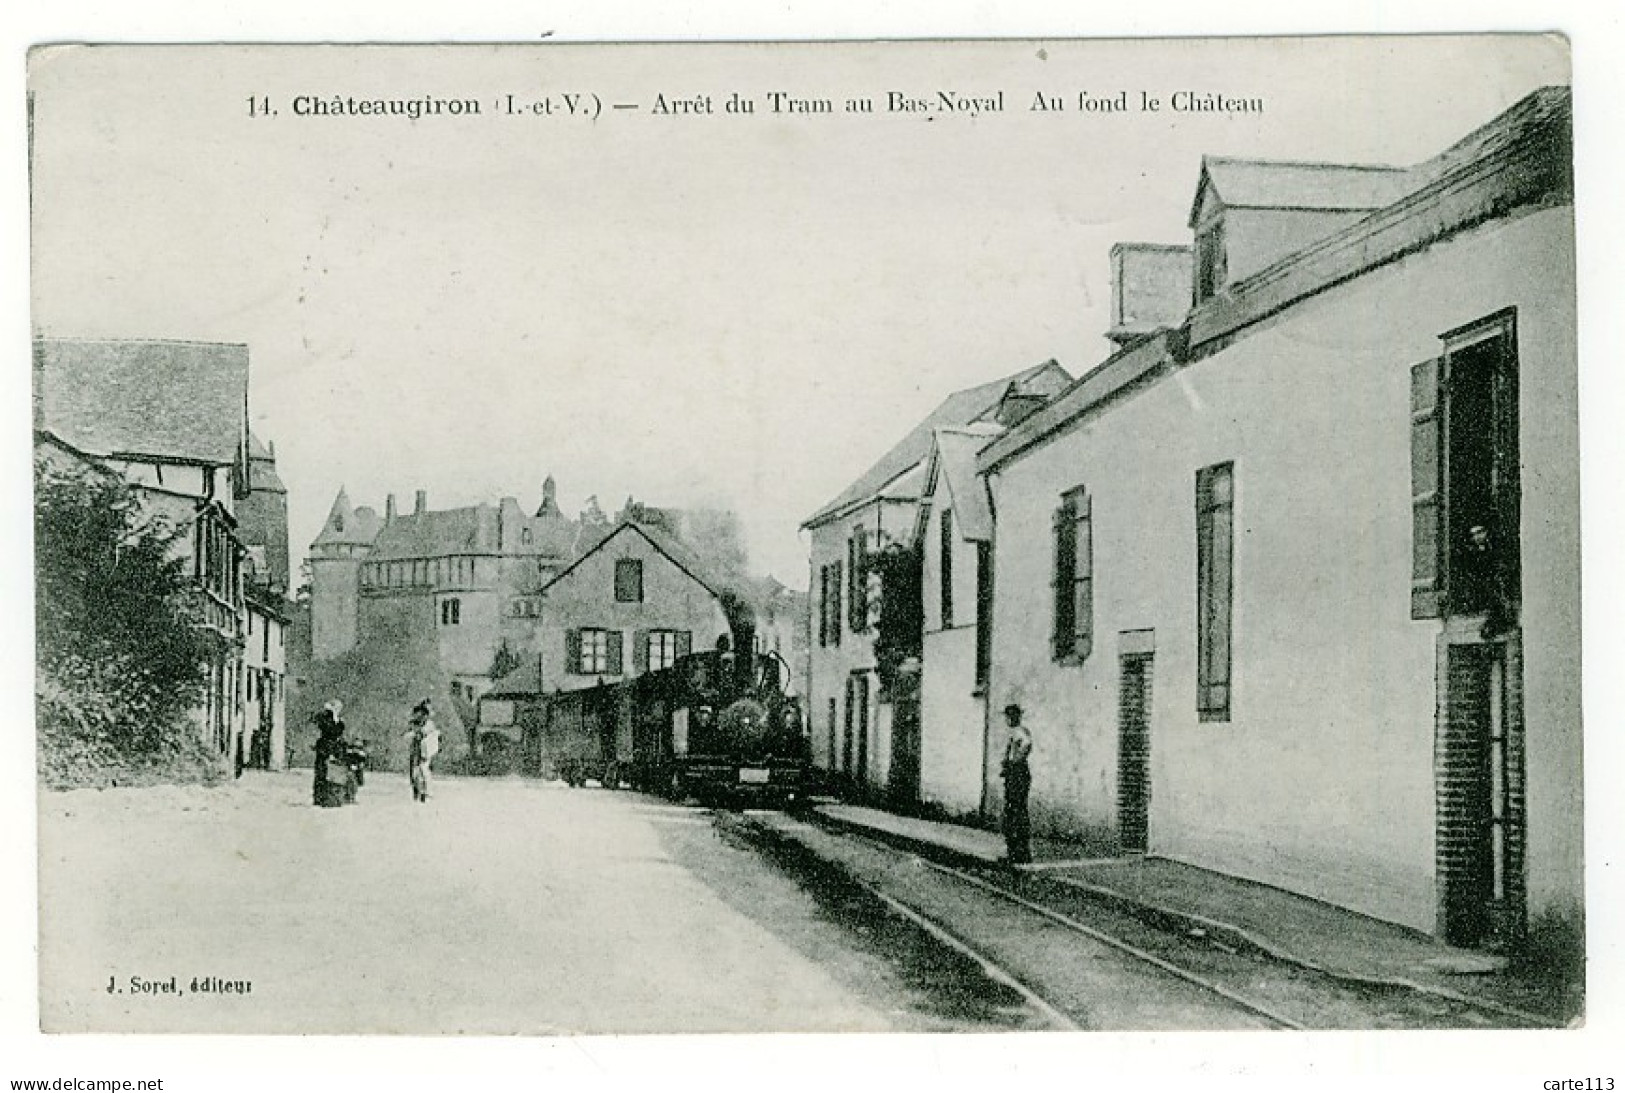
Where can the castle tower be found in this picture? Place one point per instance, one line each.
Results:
(262, 517)
(335, 572)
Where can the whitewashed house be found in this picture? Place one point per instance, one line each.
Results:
(1289, 588)
(850, 725)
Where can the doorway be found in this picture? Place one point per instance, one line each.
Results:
(1480, 797)
(1134, 752)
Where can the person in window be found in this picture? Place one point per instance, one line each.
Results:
(422, 745)
(332, 783)
(1487, 582)
(1018, 783)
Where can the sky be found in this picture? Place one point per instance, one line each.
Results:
(718, 309)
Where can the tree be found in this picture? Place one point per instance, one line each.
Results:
(504, 660)
(122, 652)
(898, 633)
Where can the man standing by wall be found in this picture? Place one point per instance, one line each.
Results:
(1018, 782)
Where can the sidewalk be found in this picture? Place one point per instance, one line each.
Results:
(1243, 914)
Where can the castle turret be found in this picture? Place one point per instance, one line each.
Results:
(262, 517)
(335, 571)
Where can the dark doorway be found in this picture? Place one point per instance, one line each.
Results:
(847, 732)
(1134, 753)
(905, 749)
(1480, 800)
(1481, 485)
(862, 700)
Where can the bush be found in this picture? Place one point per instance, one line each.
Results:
(122, 654)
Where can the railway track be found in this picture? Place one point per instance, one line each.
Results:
(1263, 1012)
(1262, 991)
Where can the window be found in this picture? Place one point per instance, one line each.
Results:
(526, 607)
(835, 603)
(451, 612)
(1465, 481)
(591, 651)
(1073, 615)
(628, 581)
(661, 648)
(1210, 263)
(1215, 530)
(984, 612)
(857, 592)
(945, 568)
(526, 536)
(829, 601)
(823, 605)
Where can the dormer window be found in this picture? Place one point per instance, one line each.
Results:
(1210, 263)
(338, 523)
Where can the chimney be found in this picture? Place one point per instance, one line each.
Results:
(1151, 289)
(550, 500)
(389, 509)
(1016, 408)
(422, 505)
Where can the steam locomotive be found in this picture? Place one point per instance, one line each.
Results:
(715, 725)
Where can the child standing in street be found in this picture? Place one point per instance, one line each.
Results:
(423, 744)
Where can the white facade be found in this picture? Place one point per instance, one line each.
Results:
(953, 691)
(1323, 778)
(265, 671)
(851, 727)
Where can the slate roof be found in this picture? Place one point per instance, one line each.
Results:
(359, 526)
(1282, 184)
(1523, 155)
(669, 545)
(890, 476)
(955, 460)
(184, 400)
(437, 534)
(262, 468)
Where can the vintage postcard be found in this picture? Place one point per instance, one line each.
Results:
(926, 537)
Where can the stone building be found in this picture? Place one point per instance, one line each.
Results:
(171, 418)
(1289, 584)
(851, 726)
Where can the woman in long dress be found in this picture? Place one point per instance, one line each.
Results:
(332, 783)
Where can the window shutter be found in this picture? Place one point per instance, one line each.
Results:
(1426, 536)
(1083, 578)
(856, 609)
(640, 651)
(860, 585)
(835, 605)
(685, 643)
(1065, 555)
(823, 605)
(613, 659)
(572, 651)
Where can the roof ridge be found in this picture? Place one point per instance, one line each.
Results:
(1315, 163)
(109, 340)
